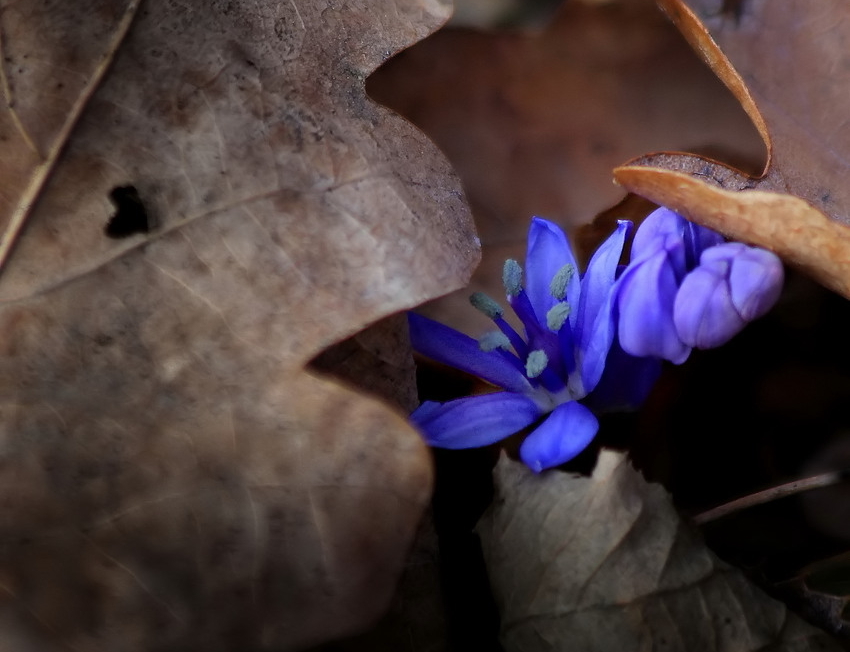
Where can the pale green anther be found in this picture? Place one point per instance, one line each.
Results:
(536, 363)
(485, 304)
(512, 277)
(557, 315)
(558, 286)
(494, 340)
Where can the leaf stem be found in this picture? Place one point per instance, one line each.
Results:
(774, 493)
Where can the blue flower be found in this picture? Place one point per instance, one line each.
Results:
(685, 288)
(593, 342)
(560, 359)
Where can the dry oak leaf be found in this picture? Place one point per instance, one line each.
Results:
(605, 563)
(534, 121)
(172, 477)
(790, 69)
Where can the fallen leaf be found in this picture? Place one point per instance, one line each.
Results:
(605, 563)
(820, 592)
(534, 122)
(376, 359)
(790, 71)
(173, 477)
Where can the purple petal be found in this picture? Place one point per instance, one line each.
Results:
(565, 433)
(451, 347)
(475, 420)
(704, 314)
(732, 285)
(755, 280)
(645, 295)
(660, 226)
(698, 239)
(548, 251)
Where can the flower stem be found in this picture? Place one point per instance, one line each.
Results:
(774, 493)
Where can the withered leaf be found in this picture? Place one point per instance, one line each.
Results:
(605, 563)
(172, 477)
(790, 70)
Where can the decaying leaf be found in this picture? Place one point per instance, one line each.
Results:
(790, 70)
(534, 122)
(605, 563)
(172, 477)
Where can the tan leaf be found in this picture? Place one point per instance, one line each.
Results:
(790, 70)
(605, 563)
(43, 102)
(173, 477)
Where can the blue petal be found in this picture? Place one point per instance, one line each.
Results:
(523, 308)
(567, 345)
(704, 314)
(565, 433)
(598, 280)
(595, 324)
(548, 251)
(451, 347)
(645, 295)
(594, 353)
(475, 420)
(626, 381)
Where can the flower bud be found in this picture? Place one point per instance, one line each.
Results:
(732, 285)
(645, 295)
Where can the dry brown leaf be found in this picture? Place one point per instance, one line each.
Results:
(535, 122)
(172, 477)
(605, 563)
(790, 70)
(376, 359)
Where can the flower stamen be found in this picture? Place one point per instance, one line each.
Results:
(490, 307)
(494, 340)
(536, 363)
(557, 315)
(486, 304)
(512, 277)
(562, 278)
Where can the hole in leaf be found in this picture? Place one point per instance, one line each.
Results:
(130, 216)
